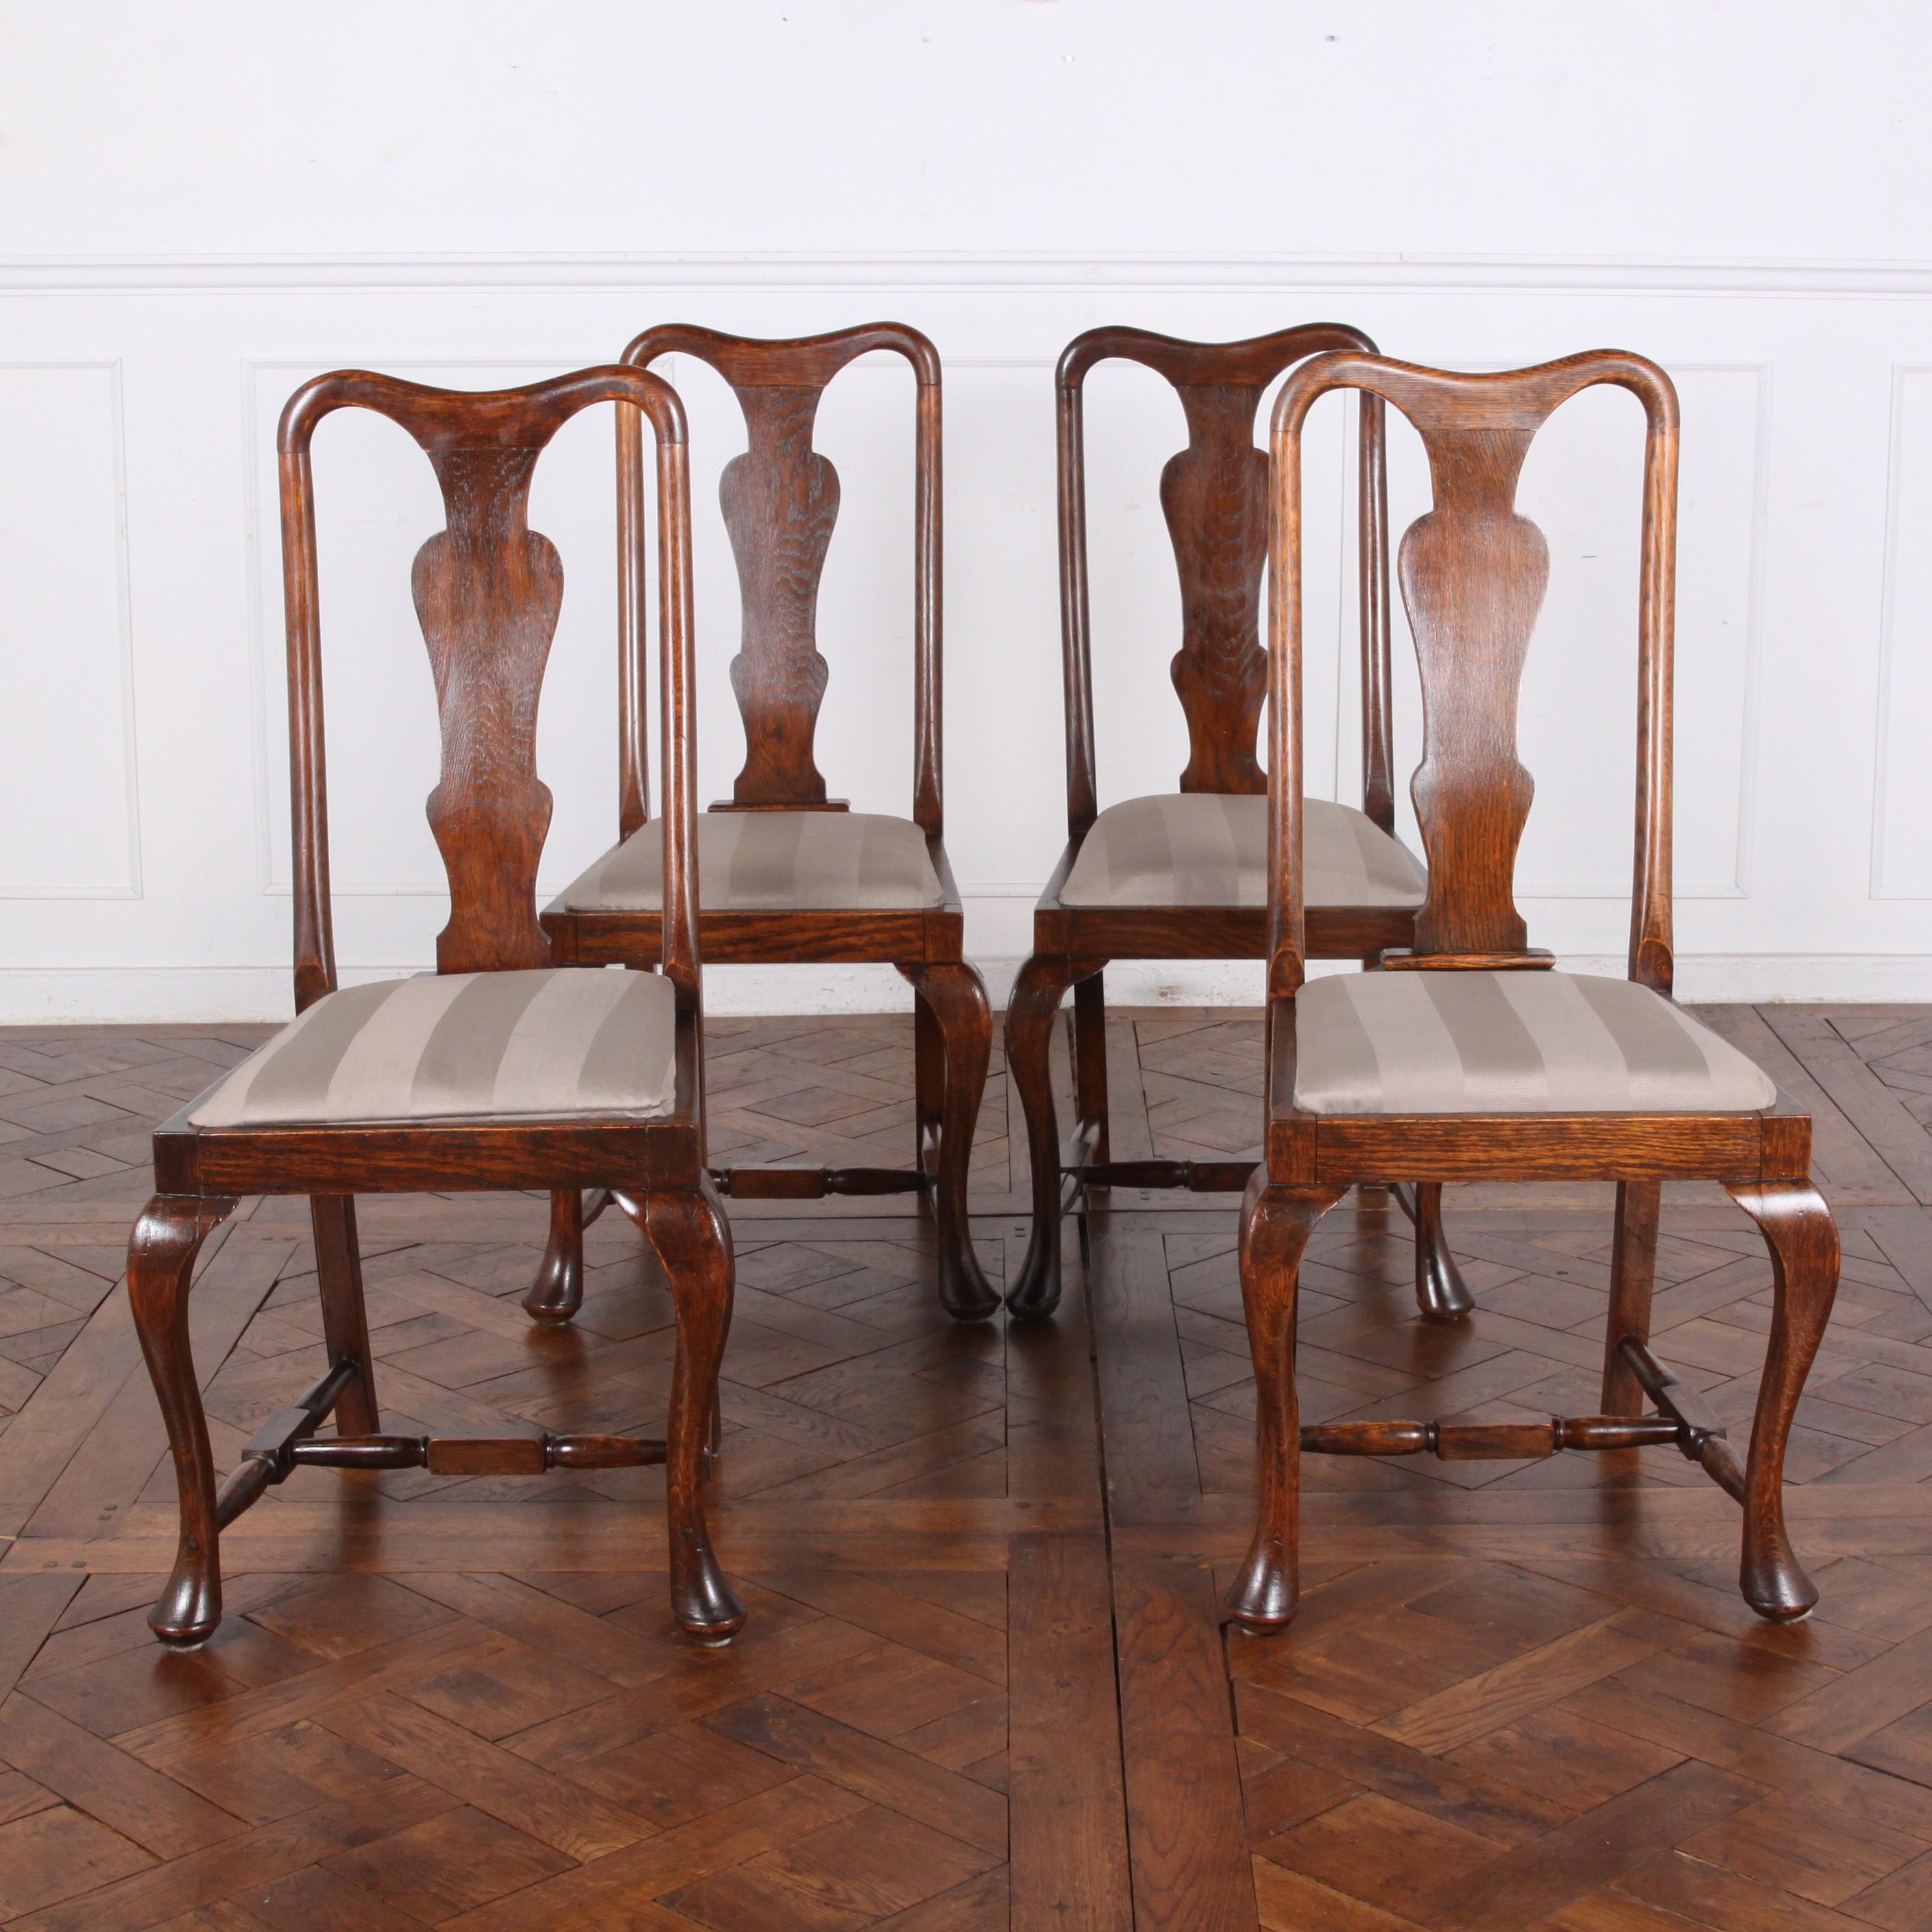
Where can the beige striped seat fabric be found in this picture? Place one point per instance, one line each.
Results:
(554, 1044)
(1211, 849)
(1525, 1042)
(773, 861)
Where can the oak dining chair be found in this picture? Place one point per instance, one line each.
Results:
(1468, 1058)
(1184, 875)
(504, 1069)
(789, 874)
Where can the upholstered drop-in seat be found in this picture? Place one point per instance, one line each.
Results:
(774, 862)
(1211, 849)
(552, 1044)
(1520, 1043)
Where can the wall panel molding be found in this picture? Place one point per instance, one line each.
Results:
(570, 273)
(1901, 819)
(1729, 879)
(65, 504)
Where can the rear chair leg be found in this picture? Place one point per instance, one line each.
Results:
(956, 996)
(1803, 1238)
(692, 1240)
(1440, 1293)
(1089, 1057)
(1632, 1271)
(557, 1293)
(160, 1261)
(1276, 1224)
(1033, 1293)
(929, 1087)
(345, 1319)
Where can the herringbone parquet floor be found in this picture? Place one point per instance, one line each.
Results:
(984, 1682)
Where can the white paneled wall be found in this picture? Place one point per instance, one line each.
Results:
(496, 196)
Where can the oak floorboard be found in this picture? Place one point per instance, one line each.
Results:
(986, 1682)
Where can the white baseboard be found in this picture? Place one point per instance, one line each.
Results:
(198, 996)
(1710, 978)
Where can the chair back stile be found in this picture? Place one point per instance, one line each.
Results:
(780, 498)
(677, 729)
(487, 590)
(1215, 496)
(1473, 574)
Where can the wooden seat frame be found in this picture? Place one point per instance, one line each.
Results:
(1473, 575)
(781, 500)
(1215, 496)
(487, 590)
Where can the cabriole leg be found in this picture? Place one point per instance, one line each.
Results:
(1803, 1238)
(956, 996)
(1033, 1292)
(692, 1240)
(557, 1293)
(345, 1319)
(1440, 1293)
(160, 1261)
(1276, 1224)
(1633, 1272)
